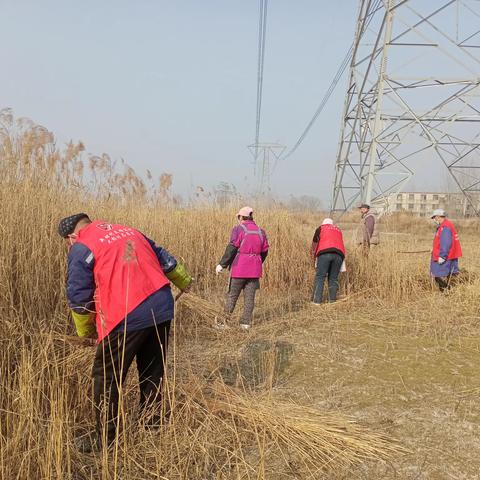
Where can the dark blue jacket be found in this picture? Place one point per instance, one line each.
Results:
(449, 266)
(157, 308)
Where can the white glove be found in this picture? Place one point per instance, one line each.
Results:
(218, 269)
(343, 268)
(441, 260)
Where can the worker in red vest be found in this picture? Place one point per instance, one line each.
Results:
(328, 252)
(118, 289)
(446, 250)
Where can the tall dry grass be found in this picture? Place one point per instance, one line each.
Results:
(215, 431)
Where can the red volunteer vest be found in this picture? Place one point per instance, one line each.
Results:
(126, 271)
(330, 237)
(455, 249)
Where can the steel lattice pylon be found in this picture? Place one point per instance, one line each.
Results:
(413, 99)
(265, 157)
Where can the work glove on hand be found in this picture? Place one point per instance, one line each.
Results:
(85, 324)
(180, 277)
(441, 260)
(218, 269)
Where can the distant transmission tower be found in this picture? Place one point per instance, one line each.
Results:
(265, 155)
(413, 100)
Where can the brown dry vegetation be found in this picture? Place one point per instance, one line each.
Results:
(383, 384)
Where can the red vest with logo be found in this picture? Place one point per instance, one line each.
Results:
(330, 237)
(455, 249)
(126, 271)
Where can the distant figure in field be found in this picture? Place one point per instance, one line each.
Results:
(446, 250)
(118, 289)
(328, 253)
(368, 230)
(244, 256)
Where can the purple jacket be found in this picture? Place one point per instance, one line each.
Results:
(251, 242)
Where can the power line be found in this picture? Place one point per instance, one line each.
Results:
(262, 30)
(318, 111)
(341, 70)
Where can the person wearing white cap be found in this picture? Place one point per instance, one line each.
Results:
(244, 256)
(328, 253)
(446, 250)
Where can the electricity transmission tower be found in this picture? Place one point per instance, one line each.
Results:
(413, 100)
(265, 157)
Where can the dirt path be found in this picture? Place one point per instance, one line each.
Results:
(397, 372)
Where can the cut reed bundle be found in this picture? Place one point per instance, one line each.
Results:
(70, 352)
(317, 440)
(205, 310)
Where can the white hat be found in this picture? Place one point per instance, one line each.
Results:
(439, 212)
(245, 212)
(327, 221)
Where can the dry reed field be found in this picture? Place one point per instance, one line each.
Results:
(383, 384)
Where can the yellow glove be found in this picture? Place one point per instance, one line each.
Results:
(180, 277)
(85, 324)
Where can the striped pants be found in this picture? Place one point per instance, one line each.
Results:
(249, 287)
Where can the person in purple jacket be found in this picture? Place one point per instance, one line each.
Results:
(244, 256)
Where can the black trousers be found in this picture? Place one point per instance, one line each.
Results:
(113, 358)
(445, 283)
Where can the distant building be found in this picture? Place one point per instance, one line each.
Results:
(422, 204)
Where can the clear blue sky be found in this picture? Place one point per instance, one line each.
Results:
(171, 86)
